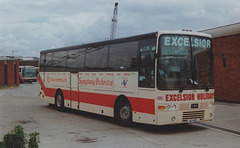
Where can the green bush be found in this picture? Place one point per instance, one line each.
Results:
(34, 140)
(18, 139)
(2, 144)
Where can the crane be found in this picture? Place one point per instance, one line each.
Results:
(113, 28)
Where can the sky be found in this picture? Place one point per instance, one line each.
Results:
(29, 26)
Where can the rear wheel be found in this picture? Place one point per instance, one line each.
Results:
(123, 113)
(59, 101)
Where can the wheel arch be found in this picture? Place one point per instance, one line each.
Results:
(123, 107)
(118, 99)
(60, 107)
(58, 91)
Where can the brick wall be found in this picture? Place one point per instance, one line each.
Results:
(227, 79)
(12, 73)
(1, 73)
(29, 63)
(10, 68)
(17, 72)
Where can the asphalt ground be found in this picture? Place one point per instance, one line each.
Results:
(71, 129)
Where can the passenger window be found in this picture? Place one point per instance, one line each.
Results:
(123, 56)
(59, 61)
(75, 60)
(42, 62)
(48, 62)
(96, 58)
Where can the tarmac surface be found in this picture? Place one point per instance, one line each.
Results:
(71, 129)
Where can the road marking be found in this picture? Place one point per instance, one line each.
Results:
(227, 119)
(235, 132)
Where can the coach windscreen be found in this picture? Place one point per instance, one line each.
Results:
(185, 62)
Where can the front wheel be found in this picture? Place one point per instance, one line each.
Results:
(59, 101)
(123, 113)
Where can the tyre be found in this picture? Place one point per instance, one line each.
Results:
(59, 101)
(123, 113)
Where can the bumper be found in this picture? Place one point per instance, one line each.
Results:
(185, 116)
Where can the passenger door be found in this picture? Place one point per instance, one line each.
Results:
(74, 91)
(147, 64)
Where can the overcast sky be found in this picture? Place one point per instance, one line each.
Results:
(29, 26)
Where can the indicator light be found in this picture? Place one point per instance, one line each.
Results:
(161, 107)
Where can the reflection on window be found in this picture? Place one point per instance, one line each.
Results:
(42, 58)
(203, 73)
(42, 62)
(96, 58)
(29, 72)
(123, 56)
(48, 61)
(75, 59)
(182, 65)
(59, 60)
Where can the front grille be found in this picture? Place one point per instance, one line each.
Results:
(193, 115)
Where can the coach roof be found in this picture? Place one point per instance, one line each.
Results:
(102, 43)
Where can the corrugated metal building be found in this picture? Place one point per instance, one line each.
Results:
(226, 50)
(9, 72)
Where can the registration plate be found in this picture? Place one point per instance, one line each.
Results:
(193, 120)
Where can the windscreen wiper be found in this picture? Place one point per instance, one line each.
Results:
(205, 85)
(185, 82)
(206, 89)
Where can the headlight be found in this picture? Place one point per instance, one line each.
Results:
(174, 107)
(168, 107)
(211, 104)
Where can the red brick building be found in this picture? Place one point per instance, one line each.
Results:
(226, 51)
(9, 72)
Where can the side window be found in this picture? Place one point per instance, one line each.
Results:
(48, 62)
(42, 62)
(123, 56)
(75, 60)
(147, 50)
(59, 61)
(96, 58)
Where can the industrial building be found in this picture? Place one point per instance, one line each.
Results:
(226, 51)
(29, 62)
(9, 71)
